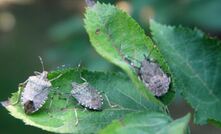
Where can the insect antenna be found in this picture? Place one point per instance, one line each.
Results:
(148, 56)
(79, 70)
(42, 63)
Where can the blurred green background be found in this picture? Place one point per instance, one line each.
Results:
(53, 29)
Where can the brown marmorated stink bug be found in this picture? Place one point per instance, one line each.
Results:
(34, 91)
(152, 76)
(86, 95)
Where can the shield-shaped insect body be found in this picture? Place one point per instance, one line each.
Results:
(153, 77)
(87, 96)
(35, 93)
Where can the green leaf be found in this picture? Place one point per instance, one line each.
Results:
(195, 62)
(147, 123)
(117, 87)
(115, 35)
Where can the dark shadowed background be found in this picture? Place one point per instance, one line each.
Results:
(54, 30)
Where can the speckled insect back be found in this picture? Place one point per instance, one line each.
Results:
(35, 92)
(153, 77)
(87, 96)
(150, 73)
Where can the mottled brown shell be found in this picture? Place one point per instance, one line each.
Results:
(35, 92)
(87, 96)
(154, 77)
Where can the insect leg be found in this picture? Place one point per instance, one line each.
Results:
(167, 110)
(67, 101)
(82, 78)
(129, 61)
(20, 89)
(148, 56)
(85, 109)
(37, 73)
(76, 116)
(108, 101)
(57, 77)
(50, 104)
(51, 100)
(23, 84)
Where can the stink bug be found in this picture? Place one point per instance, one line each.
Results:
(35, 91)
(152, 76)
(86, 95)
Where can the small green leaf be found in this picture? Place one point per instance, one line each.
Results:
(147, 123)
(115, 35)
(195, 62)
(117, 87)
